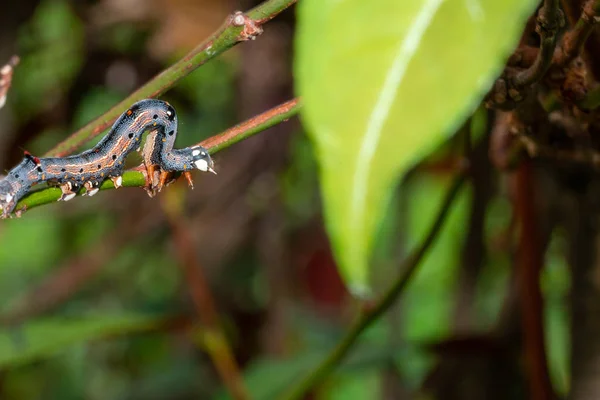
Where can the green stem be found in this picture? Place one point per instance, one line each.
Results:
(225, 38)
(135, 178)
(318, 374)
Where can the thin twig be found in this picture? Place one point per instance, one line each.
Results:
(216, 343)
(574, 40)
(550, 20)
(6, 74)
(323, 370)
(534, 149)
(239, 27)
(135, 177)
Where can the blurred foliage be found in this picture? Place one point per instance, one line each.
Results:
(52, 42)
(42, 338)
(130, 331)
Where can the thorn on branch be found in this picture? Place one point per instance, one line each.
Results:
(251, 30)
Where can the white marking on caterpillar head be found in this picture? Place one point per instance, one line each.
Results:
(196, 153)
(202, 165)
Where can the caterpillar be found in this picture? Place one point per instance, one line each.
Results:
(106, 160)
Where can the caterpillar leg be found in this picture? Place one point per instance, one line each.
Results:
(166, 178)
(5, 211)
(117, 181)
(91, 188)
(69, 190)
(151, 157)
(188, 178)
(19, 213)
(152, 179)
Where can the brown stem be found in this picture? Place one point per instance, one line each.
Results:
(215, 340)
(574, 40)
(549, 21)
(239, 132)
(529, 264)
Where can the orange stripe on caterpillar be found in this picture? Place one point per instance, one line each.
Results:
(106, 159)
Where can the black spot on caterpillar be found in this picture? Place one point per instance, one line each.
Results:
(106, 159)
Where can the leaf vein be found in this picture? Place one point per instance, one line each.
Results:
(387, 95)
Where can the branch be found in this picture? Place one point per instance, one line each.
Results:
(535, 149)
(530, 262)
(550, 20)
(215, 341)
(238, 27)
(509, 89)
(135, 177)
(574, 40)
(319, 373)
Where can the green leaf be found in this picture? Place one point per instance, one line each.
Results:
(383, 81)
(45, 337)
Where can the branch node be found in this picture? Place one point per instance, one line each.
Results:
(549, 22)
(251, 30)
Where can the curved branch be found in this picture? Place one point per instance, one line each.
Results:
(549, 21)
(135, 177)
(574, 40)
(238, 27)
(319, 373)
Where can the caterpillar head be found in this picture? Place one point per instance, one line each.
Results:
(201, 159)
